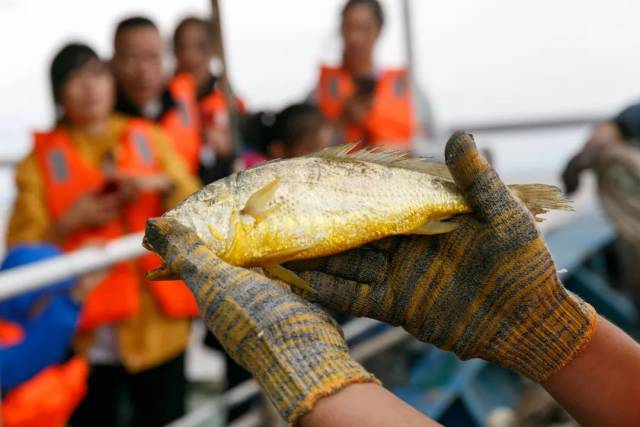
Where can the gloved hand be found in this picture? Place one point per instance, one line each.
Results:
(582, 161)
(294, 349)
(488, 289)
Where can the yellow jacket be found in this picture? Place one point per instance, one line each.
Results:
(149, 338)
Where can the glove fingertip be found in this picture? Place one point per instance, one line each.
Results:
(173, 241)
(459, 140)
(463, 159)
(155, 233)
(488, 196)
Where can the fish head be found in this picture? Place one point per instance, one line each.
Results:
(209, 212)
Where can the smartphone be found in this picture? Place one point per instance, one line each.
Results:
(110, 186)
(365, 86)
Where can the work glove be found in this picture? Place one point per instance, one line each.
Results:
(488, 289)
(293, 348)
(582, 161)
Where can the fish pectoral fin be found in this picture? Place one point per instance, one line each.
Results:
(288, 276)
(161, 272)
(214, 232)
(288, 254)
(434, 227)
(256, 205)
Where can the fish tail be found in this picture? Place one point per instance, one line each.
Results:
(541, 198)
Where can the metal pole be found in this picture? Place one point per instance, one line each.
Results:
(408, 41)
(420, 100)
(218, 46)
(411, 65)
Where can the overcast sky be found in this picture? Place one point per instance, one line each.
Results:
(477, 60)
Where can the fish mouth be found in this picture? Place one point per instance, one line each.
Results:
(146, 244)
(162, 272)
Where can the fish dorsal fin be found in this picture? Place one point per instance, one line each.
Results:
(390, 158)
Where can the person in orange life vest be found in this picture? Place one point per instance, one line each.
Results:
(94, 177)
(193, 49)
(373, 107)
(40, 387)
(137, 64)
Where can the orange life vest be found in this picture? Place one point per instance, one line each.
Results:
(67, 177)
(390, 121)
(182, 122)
(49, 398)
(213, 105)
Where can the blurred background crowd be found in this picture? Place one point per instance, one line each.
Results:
(130, 127)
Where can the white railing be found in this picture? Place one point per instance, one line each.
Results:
(8, 160)
(44, 273)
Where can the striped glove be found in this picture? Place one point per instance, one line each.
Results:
(294, 349)
(489, 289)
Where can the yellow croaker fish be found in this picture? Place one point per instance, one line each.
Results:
(328, 202)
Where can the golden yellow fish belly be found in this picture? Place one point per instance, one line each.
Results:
(284, 238)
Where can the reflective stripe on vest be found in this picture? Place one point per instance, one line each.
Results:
(182, 122)
(142, 146)
(332, 87)
(390, 119)
(58, 165)
(185, 117)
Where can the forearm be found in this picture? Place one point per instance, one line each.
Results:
(600, 387)
(364, 405)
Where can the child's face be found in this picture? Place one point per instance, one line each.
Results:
(315, 141)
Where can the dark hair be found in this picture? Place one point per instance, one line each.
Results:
(295, 121)
(70, 58)
(131, 23)
(373, 5)
(193, 20)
